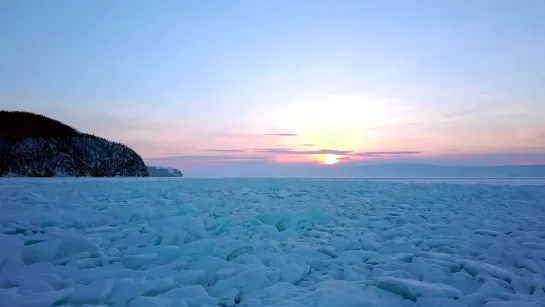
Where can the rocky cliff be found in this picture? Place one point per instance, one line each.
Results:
(37, 146)
(159, 171)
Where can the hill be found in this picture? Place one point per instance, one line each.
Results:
(159, 171)
(33, 145)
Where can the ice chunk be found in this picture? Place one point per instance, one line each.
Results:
(487, 232)
(511, 304)
(74, 243)
(279, 289)
(342, 244)
(369, 244)
(193, 277)
(29, 283)
(147, 301)
(341, 285)
(40, 252)
(428, 272)
(265, 229)
(319, 234)
(247, 259)
(122, 273)
(101, 229)
(88, 263)
(451, 266)
(193, 296)
(200, 247)
(436, 255)
(10, 297)
(169, 236)
(11, 248)
(125, 289)
(95, 293)
(55, 281)
(445, 249)
(475, 267)
(137, 261)
(168, 252)
(71, 258)
(247, 281)
(413, 289)
(411, 219)
(269, 218)
(324, 297)
(493, 289)
(288, 221)
(523, 285)
(210, 264)
(400, 246)
(285, 235)
(430, 243)
(328, 251)
(534, 245)
(45, 299)
(293, 273)
(227, 296)
(65, 246)
(35, 286)
(438, 302)
(394, 273)
(401, 257)
(194, 226)
(311, 253)
(8, 230)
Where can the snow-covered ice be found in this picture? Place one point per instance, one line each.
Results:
(269, 242)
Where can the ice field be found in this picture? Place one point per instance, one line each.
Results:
(266, 242)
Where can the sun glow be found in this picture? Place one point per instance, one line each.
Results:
(330, 159)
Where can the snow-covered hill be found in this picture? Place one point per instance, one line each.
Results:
(36, 146)
(160, 171)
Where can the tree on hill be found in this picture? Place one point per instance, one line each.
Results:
(18, 124)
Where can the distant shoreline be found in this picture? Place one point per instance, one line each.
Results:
(375, 178)
(438, 179)
(276, 178)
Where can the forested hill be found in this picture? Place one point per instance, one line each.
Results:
(34, 145)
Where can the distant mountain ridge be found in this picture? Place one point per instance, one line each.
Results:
(160, 171)
(33, 145)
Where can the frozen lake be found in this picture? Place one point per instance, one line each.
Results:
(272, 242)
(489, 181)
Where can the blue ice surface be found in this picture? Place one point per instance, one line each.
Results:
(272, 242)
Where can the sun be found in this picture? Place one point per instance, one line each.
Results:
(330, 159)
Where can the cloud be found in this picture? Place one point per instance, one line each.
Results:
(473, 110)
(264, 154)
(384, 153)
(336, 152)
(281, 134)
(226, 150)
(308, 145)
(304, 152)
(189, 158)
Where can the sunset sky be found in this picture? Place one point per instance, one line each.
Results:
(212, 85)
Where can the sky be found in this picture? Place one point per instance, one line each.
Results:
(223, 87)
